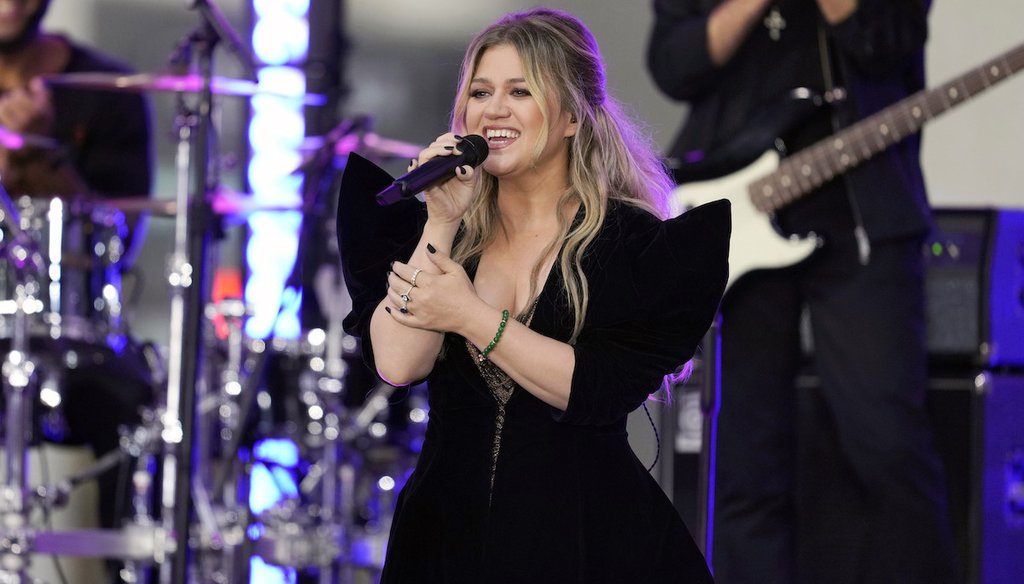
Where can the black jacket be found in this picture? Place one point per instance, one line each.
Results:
(877, 56)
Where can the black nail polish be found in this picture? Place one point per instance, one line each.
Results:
(457, 137)
(449, 147)
(387, 309)
(392, 264)
(412, 161)
(462, 170)
(403, 310)
(431, 248)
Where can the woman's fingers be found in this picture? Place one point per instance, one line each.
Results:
(444, 145)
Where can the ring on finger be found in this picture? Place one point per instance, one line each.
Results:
(415, 273)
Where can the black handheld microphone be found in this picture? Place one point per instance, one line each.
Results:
(473, 151)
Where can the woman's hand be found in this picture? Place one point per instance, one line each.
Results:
(422, 299)
(447, 202)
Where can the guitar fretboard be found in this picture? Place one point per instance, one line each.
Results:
(808, 169)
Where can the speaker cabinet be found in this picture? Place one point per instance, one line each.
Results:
(979, 431)
(978, 421)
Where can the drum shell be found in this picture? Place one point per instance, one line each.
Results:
(76, 293)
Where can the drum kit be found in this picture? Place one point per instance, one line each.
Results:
(227, 406)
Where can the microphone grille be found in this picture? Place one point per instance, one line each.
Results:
(474, 147)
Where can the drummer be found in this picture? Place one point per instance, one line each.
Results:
(76, 142)
(102, 138)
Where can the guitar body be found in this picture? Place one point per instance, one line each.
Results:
(756, 244)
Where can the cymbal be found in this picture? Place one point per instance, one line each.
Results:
(382, 147)
(223, 202)
(192, 83)
(370, 145)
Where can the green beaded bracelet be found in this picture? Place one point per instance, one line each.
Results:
(497, 336)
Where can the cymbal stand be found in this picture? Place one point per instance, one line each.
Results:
(144, 446)
(188, 280)
(223, 518)
(19, 383)
(311, 531)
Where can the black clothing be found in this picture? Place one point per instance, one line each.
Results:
(103, 134)
(877, 57)
(570, 501)
(107, 132)
(866, 322)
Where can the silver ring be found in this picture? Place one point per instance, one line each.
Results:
(405, 298)
(414, 274)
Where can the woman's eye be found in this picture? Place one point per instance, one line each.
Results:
(477, 93)
(520, 92)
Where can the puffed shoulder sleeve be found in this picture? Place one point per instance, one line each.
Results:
(370, 237)
(654, 296)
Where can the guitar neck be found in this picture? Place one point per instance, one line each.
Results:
(830, 157)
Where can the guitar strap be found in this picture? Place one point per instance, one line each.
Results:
(833, 94)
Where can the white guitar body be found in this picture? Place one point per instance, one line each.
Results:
(756, 244)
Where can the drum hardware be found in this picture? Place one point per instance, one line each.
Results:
(320, 505)
(54, 495)
(44, 311)
(141, 542)
(290, 538)
(197, 45)
(18, 382)
(12, 140)
(353, 135)
(169, 83)
(332, 492)
(187, 268)
(208, 394)
(228, 204)
(68, 254)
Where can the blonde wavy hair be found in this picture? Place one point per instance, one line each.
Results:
(610, 158)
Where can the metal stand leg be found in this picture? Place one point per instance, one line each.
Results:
(19, 383)
(710, 392)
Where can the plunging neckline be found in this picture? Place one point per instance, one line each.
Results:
(546, 282)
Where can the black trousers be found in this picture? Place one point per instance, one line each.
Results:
(867, 326)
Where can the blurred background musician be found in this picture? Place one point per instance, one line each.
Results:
(77, 145)
(884, 519)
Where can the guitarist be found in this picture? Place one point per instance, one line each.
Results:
(862, 294)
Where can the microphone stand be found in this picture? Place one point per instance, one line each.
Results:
(189, 278)
(214, 18)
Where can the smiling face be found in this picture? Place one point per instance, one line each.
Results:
(503, 108)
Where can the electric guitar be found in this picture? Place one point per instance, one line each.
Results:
(771, 182)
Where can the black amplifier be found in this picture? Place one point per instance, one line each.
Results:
(975, 287)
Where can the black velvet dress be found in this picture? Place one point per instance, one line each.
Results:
(540, 495)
